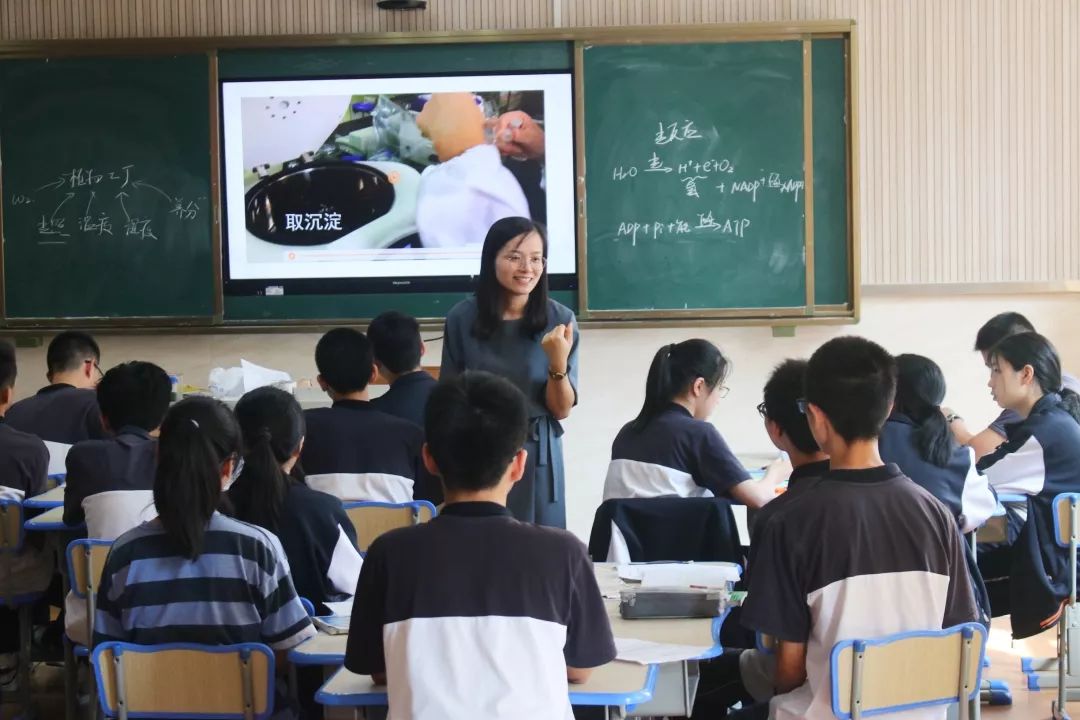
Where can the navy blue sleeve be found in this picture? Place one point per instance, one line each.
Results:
(589, 642)
(364, 648)
(77, 485)
(1007, 417)
(717, 468)
(776, 598)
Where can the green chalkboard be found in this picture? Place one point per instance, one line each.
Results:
(695, 182)
(107, 209)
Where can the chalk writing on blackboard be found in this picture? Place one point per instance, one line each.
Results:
(100, 202)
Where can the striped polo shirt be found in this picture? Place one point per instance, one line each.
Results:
(238, 590)
(477, 615)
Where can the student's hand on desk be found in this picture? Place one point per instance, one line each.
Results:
(518, 135)
(453, 122)
(557, 344)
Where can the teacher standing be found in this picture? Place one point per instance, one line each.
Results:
(511, 327)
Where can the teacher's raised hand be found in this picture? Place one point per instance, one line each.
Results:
(557, 344)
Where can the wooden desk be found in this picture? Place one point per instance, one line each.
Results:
(50, 499)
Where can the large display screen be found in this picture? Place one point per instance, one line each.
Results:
(368, 184)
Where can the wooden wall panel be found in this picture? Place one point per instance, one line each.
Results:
(969, 110)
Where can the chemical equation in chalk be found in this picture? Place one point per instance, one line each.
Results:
(103, 201)
(733, 227)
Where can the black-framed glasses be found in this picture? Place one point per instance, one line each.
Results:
(761, 409)
(801, 403)
(723, 390)
(100, 372)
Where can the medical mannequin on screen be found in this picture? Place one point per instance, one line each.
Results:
(462, 197)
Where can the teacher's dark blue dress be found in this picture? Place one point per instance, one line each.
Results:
(540, 495)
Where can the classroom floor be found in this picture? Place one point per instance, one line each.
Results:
(48, 682)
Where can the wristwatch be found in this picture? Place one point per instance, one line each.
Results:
(556, 375)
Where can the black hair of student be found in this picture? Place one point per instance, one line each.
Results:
(673, 370)
(782, 391)
(134, 394)
(198, 435)
(1035, 350)
(489, 292)
(69, 350)
(8, 367)
(920, 388)
(344, 358)
(853, 381)
(395, 341)
(475, 424)
(999, 327)
(272, 426)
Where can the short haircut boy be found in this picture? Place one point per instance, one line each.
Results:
(474, 425)
(69, 350)
(853, 381)
(999, 327)
(783, 390)
(134, 394)
(8, 367)
(395, 341)
(344, 359)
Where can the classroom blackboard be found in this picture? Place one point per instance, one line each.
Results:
(107, 206)
(697, 195)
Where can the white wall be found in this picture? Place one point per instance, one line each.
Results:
(614, 363)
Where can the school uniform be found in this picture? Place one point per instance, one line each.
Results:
(59, 413)
(122, 466)
(238, 590)
(958, 485)
(1011, 417)
(1040, 459)
(675, 454)
(24, 464)
(476, 614)
(320, 544)
(859, 553)
(355, 452)
(407, 397)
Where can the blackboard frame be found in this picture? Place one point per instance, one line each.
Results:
(578, 37)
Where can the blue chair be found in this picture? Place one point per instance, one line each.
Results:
(309, 607)
(184, 680)
(12, 537)
(372, 519)
(908, 670)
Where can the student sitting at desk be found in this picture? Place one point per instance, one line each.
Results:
(916, 438)
(396, 344)
(352, 450)
(670, 448)
(1040, 459)
(862, 551)
(318, 537)
(193, 575)
(109, 482)
(24, 463)
(990, 334)
(475, 614)
(66, 411)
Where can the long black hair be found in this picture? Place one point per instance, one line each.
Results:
(1035, 350)
(197, 436)
(674, 369)
(489, 292)
(920, 388)
(272, 425)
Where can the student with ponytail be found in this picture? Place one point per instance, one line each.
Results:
(670, 448)
(318, 537)
(192, 574)
(1041, 459)
(916, 437)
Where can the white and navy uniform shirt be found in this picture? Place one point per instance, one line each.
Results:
(123, 466)
(59, 413)
(674, 454)
(477, 615)
(958, 485)
(355, 452)
(858, 554)
(24, 464)
(1011, 417)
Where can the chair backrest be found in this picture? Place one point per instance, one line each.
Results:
(112, 513)
(85, 563)
(363, 487)
(907, 670)
(11, 526)
(1065, 507)
(183, 680)
(372, 519)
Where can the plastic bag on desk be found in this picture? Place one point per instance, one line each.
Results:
(226, 382)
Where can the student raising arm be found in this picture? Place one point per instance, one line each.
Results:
(670, 448)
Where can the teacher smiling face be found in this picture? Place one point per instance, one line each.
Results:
(512, 328)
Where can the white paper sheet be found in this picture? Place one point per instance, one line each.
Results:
(680, 574)
(341, 607)
(257, 376)
(645, 652)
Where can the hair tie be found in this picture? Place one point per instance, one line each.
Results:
(670, 349)
(264, 434)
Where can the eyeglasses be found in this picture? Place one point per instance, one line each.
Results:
(761, 410)
(533, 263)
(723, 390)
(801, 403)
(100, 372)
